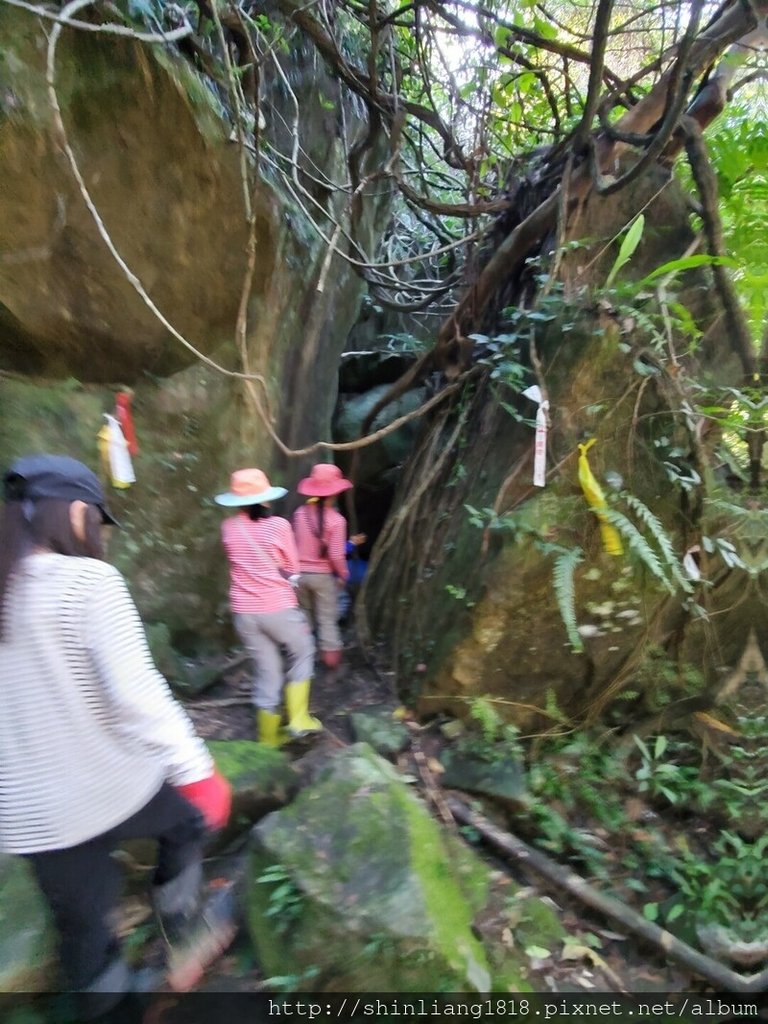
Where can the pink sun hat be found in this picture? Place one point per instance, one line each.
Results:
(249, 487)
(324, 481)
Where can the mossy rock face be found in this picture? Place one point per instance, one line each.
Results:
(173, 203)
(537, 923)
(367, 893)
(261, 777)
(73, 329)
(503, 778)
(188, 678)
(379, 729)
(28, 939)
(170, 199)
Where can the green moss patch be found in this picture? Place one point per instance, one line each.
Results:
(355, 887)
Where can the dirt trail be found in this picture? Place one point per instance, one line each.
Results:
(334, 696)
(602, 959)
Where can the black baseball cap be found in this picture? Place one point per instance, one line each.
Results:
(55, 476)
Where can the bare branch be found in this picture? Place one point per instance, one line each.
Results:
(172, 36)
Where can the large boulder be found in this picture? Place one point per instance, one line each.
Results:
(262, 778)
(150, 142)
(380, 727)
(154, 146)
(355, 887)
(27, 937)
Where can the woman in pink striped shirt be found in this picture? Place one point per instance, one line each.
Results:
(263, 570)
(321, 539)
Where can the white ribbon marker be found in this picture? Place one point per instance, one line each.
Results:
(119, 457)
(690, 565)
(540, 442)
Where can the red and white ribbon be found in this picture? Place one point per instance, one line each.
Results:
(540, 442)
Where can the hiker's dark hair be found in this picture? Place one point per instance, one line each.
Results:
(320, 531)
(258, 512)
(45, 524)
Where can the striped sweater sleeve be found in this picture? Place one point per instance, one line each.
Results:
(287, 547)
(145, 712)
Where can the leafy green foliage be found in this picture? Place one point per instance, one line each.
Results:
(659, 679)
(660, 536)
(482, 711)
(672, 268)
(593, 806)
(648, 541)
(285, 899)
(737, 145)
(565, 592)
(491, 738)
(660, 777)
(500, 354)
(459, 594)
(628, 245)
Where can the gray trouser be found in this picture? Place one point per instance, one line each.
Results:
(263, 637)
(319, 597)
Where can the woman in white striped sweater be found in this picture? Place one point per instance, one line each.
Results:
(93, 748)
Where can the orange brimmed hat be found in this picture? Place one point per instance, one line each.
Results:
(324, 481)
(249, 487)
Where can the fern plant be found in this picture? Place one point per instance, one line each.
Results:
(639, 546)
(286, 901)
(565, 593)
(482, 711)
(497, 740)
(661, 538)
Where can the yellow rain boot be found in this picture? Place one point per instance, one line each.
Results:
(268, 729)
(300, 722)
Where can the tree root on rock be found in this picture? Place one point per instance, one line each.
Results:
(718, 975)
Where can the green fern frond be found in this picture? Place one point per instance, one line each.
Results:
(656, 529)
(737, 511)
(639, 545)
(482, 711)
(565, 592)
(552, 708)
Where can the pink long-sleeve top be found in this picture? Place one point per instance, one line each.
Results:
(260, 551)
(306, 527)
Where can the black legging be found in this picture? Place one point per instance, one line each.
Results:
(82, 883)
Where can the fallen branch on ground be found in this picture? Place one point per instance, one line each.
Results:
(432, 789)
(721, 977)
(222, 702)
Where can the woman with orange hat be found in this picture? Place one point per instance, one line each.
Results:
(263, 568)
(321, 539)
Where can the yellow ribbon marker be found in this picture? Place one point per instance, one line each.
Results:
(593, 492)
(103, 438)
(113, 453)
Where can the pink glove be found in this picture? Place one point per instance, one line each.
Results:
(212, 797)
